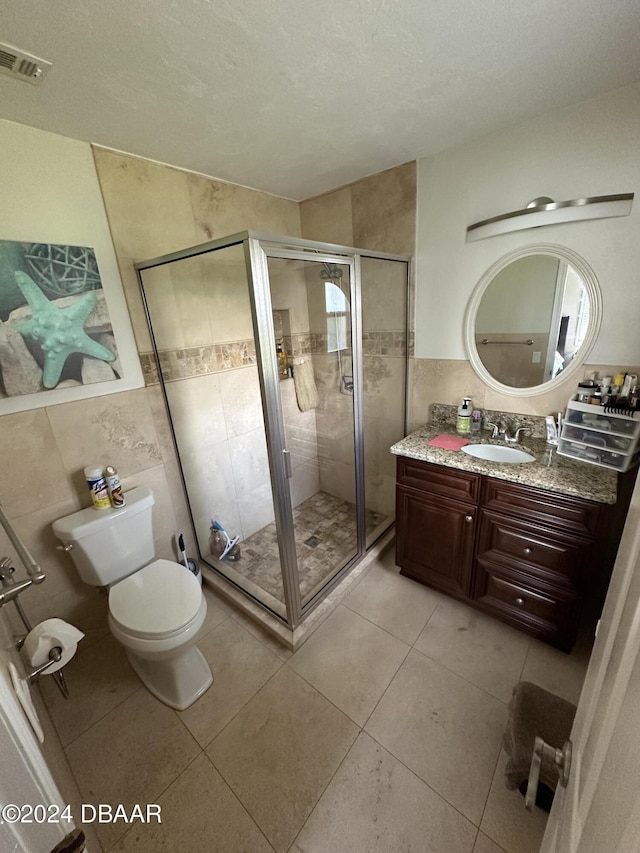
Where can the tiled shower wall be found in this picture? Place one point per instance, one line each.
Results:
(214, 394)
(377, 213)
(205, 335)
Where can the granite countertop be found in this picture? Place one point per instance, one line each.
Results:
(549, 471)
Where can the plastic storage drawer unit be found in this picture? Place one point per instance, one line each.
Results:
(599, 436)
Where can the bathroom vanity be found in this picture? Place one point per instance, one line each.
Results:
(531, 544)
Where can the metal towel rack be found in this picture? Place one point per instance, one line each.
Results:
(11, 589)
(527, 343)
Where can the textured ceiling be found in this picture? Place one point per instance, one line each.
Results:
(297, 97)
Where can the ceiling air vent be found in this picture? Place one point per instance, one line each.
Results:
(22, 66)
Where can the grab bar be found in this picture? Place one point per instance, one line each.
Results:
(33, 569)
(526, 343)
(12, 589)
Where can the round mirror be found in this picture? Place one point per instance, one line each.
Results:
(532, 319)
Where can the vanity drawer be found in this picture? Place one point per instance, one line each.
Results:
(439, 480)
(551, 556)
(558, 511)
(547, 613)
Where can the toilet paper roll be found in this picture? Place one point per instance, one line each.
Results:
(46, 636)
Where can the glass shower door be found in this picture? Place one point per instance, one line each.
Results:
(383, 300)
(282, 364)
(312, 322)
(200, 313)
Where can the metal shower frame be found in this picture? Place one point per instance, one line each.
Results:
(258, 248)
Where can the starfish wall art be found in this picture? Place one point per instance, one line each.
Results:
(55, 327)
(58, 331)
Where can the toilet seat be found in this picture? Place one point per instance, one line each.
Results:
(156, 602)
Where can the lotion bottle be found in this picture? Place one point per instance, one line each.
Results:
(463, 421)
(114, 487)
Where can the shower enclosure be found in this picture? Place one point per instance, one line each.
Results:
(283, 367)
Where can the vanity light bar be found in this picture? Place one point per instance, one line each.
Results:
(527, 343)
(598, 207)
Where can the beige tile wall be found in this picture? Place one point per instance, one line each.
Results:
(375, 213)
(449, 380)
(152, 210)
(384, 392)
(378, 212)
(42, 457)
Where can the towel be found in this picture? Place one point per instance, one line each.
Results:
(534, 711)
(448, 442)
(305, 385)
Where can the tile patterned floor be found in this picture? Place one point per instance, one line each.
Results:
(325, 533)
(380, 734)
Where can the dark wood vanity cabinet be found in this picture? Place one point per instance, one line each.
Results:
(435, 541)
(435, 525)
(519, 553)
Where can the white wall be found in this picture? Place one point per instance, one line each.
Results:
(586, 150)
(520, 297)
(50, 194)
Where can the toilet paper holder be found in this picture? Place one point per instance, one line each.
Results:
(54, 656)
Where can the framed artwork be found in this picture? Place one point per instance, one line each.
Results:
(55, 331)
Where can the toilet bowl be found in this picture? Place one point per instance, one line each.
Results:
(157, 614)
(156, 607)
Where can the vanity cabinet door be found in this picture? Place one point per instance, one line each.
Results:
(434, 541)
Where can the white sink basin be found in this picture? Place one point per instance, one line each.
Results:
(498, 453)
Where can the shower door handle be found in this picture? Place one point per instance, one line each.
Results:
(287, 464)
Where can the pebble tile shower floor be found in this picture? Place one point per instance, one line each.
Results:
(325, 534)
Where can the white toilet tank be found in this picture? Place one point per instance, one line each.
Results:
(109, 544)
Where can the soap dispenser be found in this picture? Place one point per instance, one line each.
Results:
(463, 421)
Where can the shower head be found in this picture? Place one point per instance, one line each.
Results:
(330, 272)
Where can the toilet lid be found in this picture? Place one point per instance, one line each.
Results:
(158, 599)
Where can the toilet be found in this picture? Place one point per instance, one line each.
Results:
(156, 607)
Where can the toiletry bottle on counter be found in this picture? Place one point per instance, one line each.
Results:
(463, 421)
(97, 486)
(114, 486)
(476, 422)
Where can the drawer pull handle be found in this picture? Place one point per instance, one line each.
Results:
(519, 601)
(528, 550)
(468, 519)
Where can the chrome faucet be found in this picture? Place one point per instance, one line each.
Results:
(515, 438)
(503, 433)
